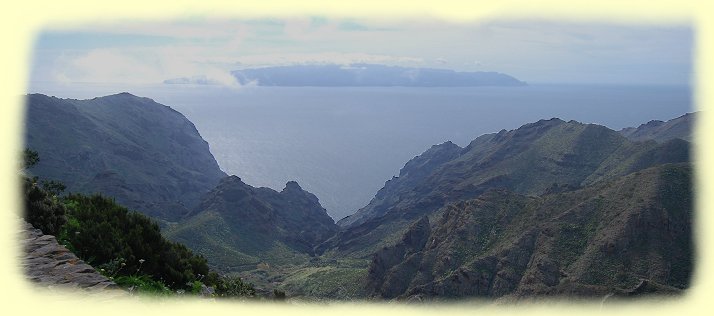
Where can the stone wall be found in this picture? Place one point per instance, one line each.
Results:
(47, 263)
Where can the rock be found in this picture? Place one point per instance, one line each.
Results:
(49, 264)
(207, 291)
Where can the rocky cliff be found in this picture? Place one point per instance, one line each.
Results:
(543, 157)
(611, 238)
(146, 155)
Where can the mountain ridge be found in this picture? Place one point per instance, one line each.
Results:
(533, 159)
(549, 208)
(592, 241)
(116, 145)
(661, 131)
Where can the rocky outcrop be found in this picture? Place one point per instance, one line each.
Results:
(236, 224)
(47, 263)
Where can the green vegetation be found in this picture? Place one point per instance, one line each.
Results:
(30, 158)
(123, 245)
(42, 209)
(143, 284)
(332, 282)
(233, 286)
(99, 231)
(572, 241)
(676, 184)
(564, 207)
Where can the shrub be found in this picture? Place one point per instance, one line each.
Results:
(42, 210)
(278, 295)
(100, 231)
(233, 286)
(30, 158)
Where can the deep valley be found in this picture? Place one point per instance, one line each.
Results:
(552, 208)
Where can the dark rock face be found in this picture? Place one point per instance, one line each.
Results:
(392, 266)
(146, 155)
(547, 156)
(660, 131)
(625, 237)
(49, 264)
(247, 222)
(292, 215)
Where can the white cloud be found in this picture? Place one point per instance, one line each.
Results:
(323, 58)
(139, 66)
(105, 65)
(530, 50)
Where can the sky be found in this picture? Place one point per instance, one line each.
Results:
(535, 51)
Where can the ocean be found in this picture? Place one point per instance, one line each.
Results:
(343, 143)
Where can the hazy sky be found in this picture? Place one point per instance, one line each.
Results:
(536, 51)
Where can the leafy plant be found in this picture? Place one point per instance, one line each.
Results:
(30, 158)
(99, 231)
(55, 188)
(42, 210)
(233, 286)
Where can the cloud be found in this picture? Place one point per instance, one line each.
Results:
(323, 58)
(106, 65)
(139, 66)
(531, 50)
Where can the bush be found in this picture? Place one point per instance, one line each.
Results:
(233, 286)
(102, 232)
(279, 295)
(54, 188)
(43, 210)
(30, 158)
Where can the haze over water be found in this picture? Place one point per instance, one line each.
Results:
(342, 144)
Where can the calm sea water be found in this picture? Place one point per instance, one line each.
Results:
(342, 144)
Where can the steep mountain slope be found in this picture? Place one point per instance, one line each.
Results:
(623, 236)
(413, 172)
(660, 131)
(238, 226)
(146, 155)
(543, 157)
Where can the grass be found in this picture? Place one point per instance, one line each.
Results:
(325, 282)
(142, 284)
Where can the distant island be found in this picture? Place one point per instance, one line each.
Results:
(358, 75)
